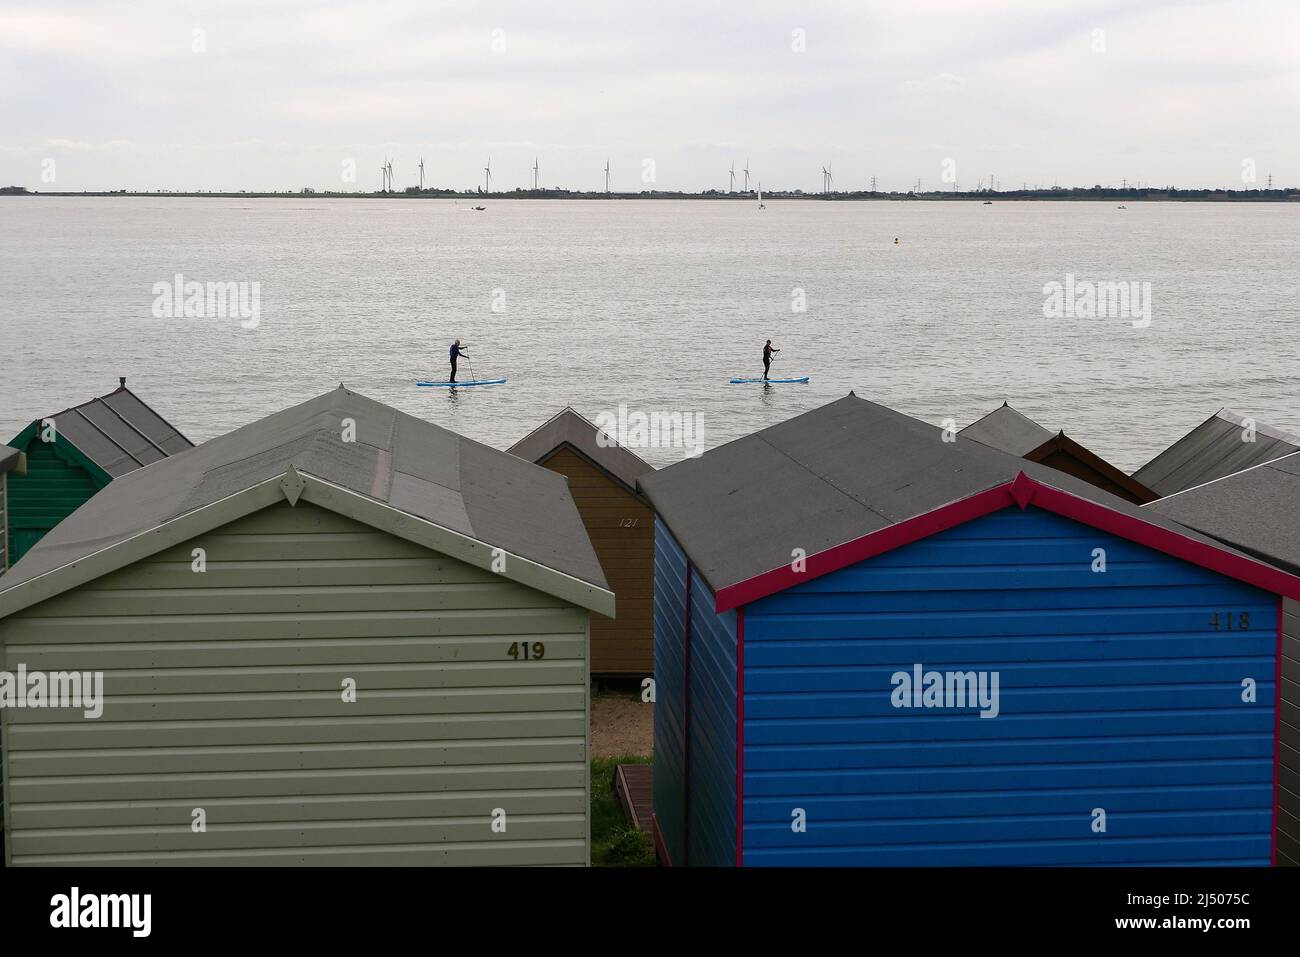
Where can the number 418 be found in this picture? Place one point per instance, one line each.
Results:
(1230, 621)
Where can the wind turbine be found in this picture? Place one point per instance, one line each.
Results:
(732, 187)
(487, 176)
(746, 171)
(606, 176)
(536, 172)
(389, 164)
(422, 174)
(827, 179)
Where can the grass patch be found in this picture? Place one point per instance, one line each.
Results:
(615, 842)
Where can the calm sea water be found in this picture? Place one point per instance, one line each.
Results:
(656, 304)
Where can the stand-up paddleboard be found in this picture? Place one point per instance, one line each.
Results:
(802, 378)
(456, 385)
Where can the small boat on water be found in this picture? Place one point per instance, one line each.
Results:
(760, 197)
(479, 208)
(988, 202)
(1121, 207)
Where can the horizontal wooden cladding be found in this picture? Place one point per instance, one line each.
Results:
(1227, 850)
(285, 599)
(1045, 778)
(283, 626)
(911, 727)
(1072, 677)
(1040, 648)
(34, 765)
(503, 673)
(928, 754)
(935, 805)
(990, 623)
(508, 852)
(152, 788)
(1038, 827)
(310, 572)
(298, 834)
(322, 652)
(1225, 695)
(616, 650)
(357, 544)
(986, 589)
(324, 807)
(197, 707)
(518, 725)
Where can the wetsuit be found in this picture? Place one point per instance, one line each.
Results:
(455, 354)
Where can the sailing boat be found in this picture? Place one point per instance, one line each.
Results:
(760, 197)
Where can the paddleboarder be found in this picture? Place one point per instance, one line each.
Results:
(456, 353)
(768, 352)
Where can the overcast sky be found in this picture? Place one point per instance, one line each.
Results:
(281, 94)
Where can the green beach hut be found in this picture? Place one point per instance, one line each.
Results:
(11, 460)
(72, 454)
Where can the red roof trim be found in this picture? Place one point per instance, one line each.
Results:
(1021, 491)
(740, 736)
(1277, 732)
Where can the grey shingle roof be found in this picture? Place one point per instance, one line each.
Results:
(412, 465)
(830, 476)
(1008, 430)
(568, 427)
(119, 433)
(1256, 511)
(1210, 451)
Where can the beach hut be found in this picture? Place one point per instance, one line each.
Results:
(874, 646)
(602, 479)
(72, 454)
(338, 635)
(11, 460)
(1224, 443)
(1011, 431)
(1258, 511)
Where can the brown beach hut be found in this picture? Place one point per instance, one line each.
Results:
(602, 478)
(1008, 430)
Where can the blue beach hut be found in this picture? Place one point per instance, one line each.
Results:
(880, 644)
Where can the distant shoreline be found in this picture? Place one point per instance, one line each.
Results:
(1095, 194)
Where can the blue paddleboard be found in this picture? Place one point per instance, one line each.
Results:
(802, 378)
(455, 385)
